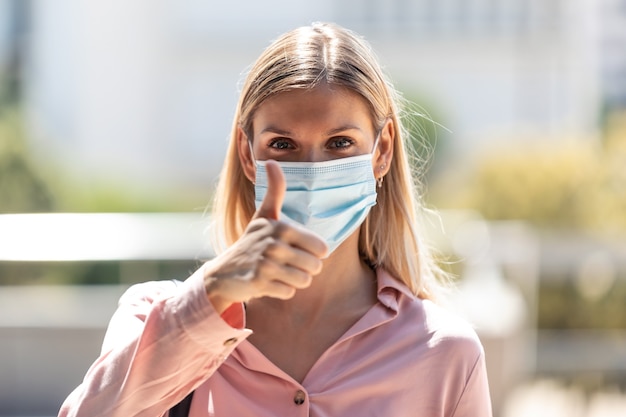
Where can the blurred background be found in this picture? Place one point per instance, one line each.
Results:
(114, 120)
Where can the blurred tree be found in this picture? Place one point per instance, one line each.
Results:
(21, 186)
(29, 184)
(552, 183)
(561, 306)
(538, 184)
(575, 186)
(609, 202)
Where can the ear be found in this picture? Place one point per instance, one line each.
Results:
(384, 151)
(245, 155)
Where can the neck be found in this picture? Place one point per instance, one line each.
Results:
(345, 283)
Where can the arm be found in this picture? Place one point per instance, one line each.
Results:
(475, 400)
(162, 342)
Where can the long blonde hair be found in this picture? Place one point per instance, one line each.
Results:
(301, 59)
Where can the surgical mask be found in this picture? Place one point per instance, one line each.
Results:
(331, 198)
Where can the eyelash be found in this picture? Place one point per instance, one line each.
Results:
(348, 142)
(282, 143)
(274, 144)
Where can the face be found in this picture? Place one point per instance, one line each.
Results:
(315, 125)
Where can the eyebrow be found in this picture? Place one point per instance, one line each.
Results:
(273, 129)
(343, 129)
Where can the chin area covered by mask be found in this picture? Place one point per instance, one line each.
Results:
(331, 198)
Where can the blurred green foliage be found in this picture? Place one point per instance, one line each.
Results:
(569, 187)
(29, 184)
(552, 183)
(93, 272)
(22, 188)
(562, 306)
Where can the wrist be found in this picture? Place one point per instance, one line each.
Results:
(212, 289)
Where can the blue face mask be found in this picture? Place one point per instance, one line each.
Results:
(331, 198)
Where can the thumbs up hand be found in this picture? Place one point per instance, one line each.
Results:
(271, 259)
(276, 188)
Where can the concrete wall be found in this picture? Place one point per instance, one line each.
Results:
(49, 336)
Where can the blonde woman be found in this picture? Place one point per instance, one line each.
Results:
(322, 301)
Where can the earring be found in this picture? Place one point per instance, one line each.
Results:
(379, 180)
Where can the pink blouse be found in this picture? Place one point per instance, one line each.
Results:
(404, 357)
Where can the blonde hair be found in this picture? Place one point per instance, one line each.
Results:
(302, 59)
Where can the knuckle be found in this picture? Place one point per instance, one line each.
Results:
(270, 246)
(257, 224)
(315, 265)
(287, 292)
(264, 267)
(304, 280)
(281, 230)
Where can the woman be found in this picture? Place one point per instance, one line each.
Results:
(322, 302)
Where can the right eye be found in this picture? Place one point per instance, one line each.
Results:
(280, 144)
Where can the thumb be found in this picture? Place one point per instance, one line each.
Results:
(276, 188)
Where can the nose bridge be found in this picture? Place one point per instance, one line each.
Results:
(311, 153)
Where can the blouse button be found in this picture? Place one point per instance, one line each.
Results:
(298, 399)
(230, 341)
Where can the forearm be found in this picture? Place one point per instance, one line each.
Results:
(157, 349)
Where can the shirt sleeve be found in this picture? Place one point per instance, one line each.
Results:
(162, 342)
(475, 400)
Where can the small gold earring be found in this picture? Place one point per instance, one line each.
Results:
(379, 181)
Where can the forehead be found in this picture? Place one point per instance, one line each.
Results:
(321, 107)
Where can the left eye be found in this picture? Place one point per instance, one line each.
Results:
(340, 143)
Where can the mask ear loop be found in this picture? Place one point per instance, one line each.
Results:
(251, 151)
(252, 155)
(379, 180)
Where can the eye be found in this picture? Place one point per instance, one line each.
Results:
(280, 144)
(341, 143)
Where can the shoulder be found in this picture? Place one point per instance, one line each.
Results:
(439, 343)
(450, 335)
(438, 330)
(446, 324)
(432, 326)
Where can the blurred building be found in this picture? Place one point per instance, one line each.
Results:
(613, 54)
(145, 90)
(12, 25)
